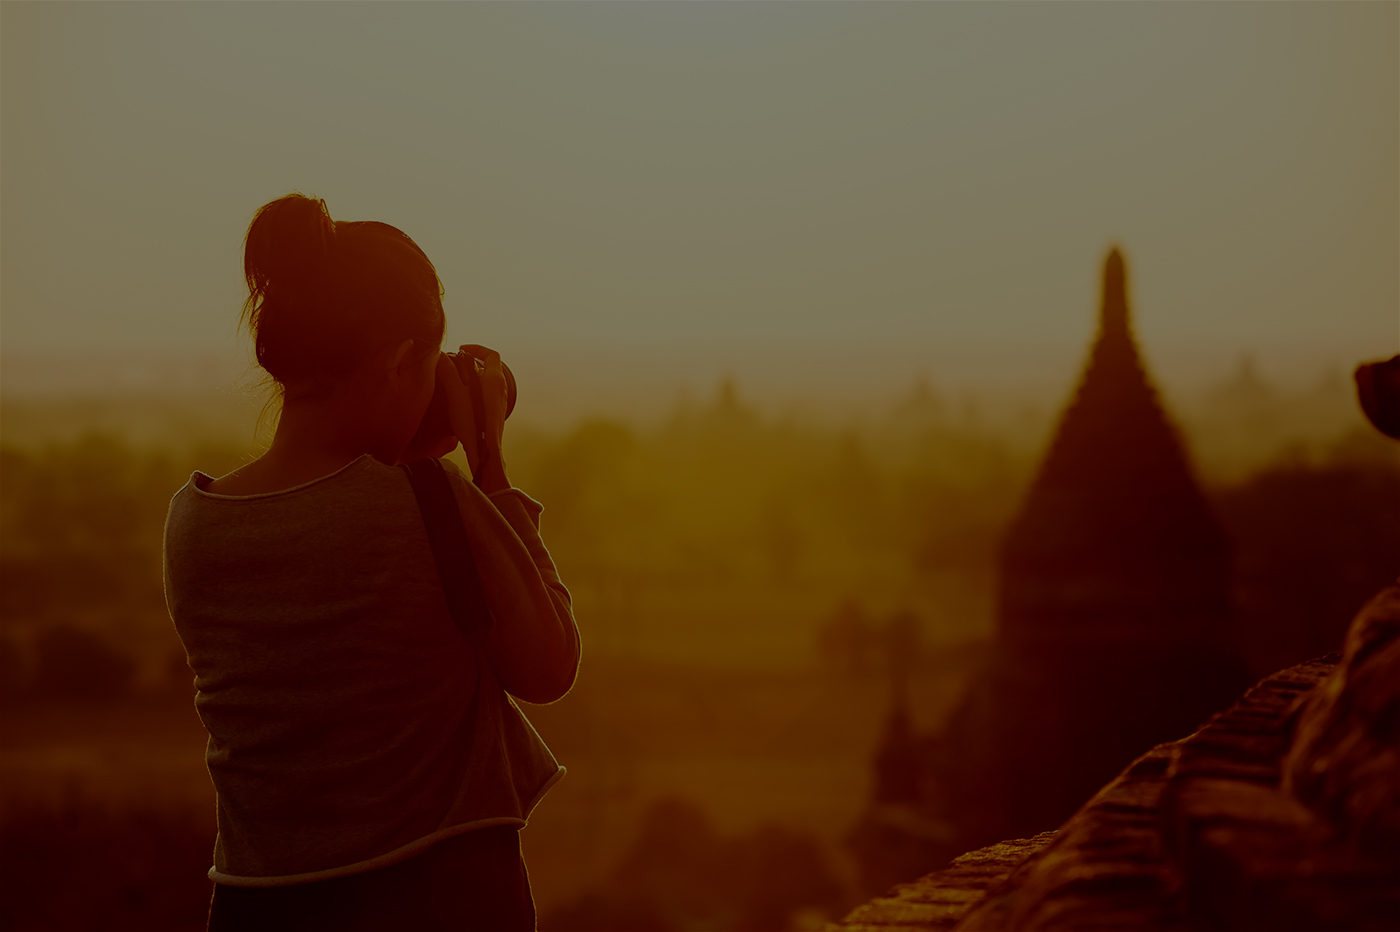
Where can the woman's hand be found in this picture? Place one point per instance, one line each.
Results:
(482, 443)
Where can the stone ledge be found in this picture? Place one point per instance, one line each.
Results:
(1132, 857)
(940, 899)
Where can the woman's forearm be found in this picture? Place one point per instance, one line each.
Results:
(536, 651)
(533, 642)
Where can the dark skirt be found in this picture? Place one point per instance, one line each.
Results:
(475, 880)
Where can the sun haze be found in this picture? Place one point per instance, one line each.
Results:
(671, 192)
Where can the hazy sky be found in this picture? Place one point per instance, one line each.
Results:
(924, 185)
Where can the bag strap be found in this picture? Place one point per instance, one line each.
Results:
(461, 583)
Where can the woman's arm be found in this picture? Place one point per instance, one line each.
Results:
(533, 640)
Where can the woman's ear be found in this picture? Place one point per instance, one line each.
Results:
(393, 360)
(400, 353)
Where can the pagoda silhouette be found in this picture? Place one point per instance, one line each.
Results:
(1114, 622)
(1115, 546)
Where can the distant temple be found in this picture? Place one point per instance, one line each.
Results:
(1115, 546)
(1114, 622)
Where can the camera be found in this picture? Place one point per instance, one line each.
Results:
(435, 423)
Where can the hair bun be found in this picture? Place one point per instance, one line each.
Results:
(324, 296)
(287, 246)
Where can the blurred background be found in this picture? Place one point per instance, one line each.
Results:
(795, 294)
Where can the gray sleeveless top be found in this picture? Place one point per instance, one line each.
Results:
(351, 725)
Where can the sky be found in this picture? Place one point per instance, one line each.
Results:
(832, 196)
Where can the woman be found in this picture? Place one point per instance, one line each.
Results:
(371, 773)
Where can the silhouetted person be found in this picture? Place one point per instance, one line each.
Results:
(1344, 759)
(1378, 391)
(371, 772)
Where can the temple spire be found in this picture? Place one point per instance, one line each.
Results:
(1113, 317)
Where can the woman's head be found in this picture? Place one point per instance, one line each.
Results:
(327, 298)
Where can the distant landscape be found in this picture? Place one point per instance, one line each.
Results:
(741, 577)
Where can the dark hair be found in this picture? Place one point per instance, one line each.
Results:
(325, 295)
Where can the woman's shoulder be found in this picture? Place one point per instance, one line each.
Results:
(473, 497)
(463, 487)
